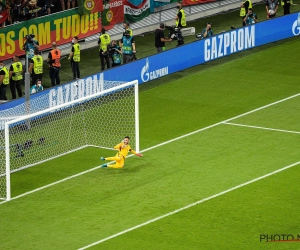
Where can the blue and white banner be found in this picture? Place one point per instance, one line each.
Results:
(173, 60)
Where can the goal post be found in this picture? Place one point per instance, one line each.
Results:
(101, 119)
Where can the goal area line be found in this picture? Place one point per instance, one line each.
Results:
(153, 147)
(263, 128)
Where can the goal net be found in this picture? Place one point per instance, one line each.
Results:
(100, 119)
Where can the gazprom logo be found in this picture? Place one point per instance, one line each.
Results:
(145, 72)
(296, 26)
(147, 75)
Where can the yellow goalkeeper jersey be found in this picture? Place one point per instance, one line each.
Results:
(124, 149)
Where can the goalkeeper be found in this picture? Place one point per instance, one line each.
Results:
(123, 150)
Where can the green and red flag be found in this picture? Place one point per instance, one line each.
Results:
(89, 6)
(135, 10)
(112, 14)
(3, 16)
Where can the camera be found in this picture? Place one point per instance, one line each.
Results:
(199, 36)
(175, 34)
(111, 49)
(29, 38)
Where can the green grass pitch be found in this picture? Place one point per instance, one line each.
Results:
(199, 167)
(100, 203)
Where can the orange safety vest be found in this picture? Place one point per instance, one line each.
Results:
(55, 53)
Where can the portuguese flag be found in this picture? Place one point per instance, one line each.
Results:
(89, 6)
(112, 14)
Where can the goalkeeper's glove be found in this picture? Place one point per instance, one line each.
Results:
(140, 155)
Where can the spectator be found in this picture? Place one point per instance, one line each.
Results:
(271, 7)
(75, 56)
(48, 4)
(33, 8)
(62, 2)
(25, 15)
(207, 31)
(128, 47)
(37, 87)
(104, 41)
(286, 6)
(9, 9)
(115, 54)
(54, 64)
(17, 11)
(180, 18)
(36, 66)
(16, 76)
(4, 81)
(4, 14)
(160, 38)
(244, 9)
(250, 18)
(69, 4)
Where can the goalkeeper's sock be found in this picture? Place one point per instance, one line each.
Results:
(104, 166)
(102, 158)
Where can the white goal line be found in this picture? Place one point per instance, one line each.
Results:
(156, 146)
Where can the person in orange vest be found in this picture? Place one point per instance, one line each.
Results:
(54, 64)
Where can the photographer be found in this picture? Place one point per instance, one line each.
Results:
(30, 45)
(271, 8)
(37, 87)
(115, 53)
(160, 38)
(250, 18)
(175, 34)
(128, 47)
(207, 31)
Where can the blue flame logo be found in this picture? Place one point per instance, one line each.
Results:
(145, 72)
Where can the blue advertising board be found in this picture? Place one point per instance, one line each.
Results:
(171, 61)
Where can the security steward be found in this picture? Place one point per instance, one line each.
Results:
(286, 6)
(16, 76)
(4, 81)
(180, 18)
(244, 9)
(104, 41)
(75, 57)
(36, 67)
(54, 64)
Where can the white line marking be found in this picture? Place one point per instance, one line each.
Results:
(156, 146)
(272, 129)
(189, 206)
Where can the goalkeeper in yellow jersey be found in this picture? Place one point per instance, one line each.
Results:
(123, 150)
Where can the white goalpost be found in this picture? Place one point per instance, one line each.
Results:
(100, 120)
